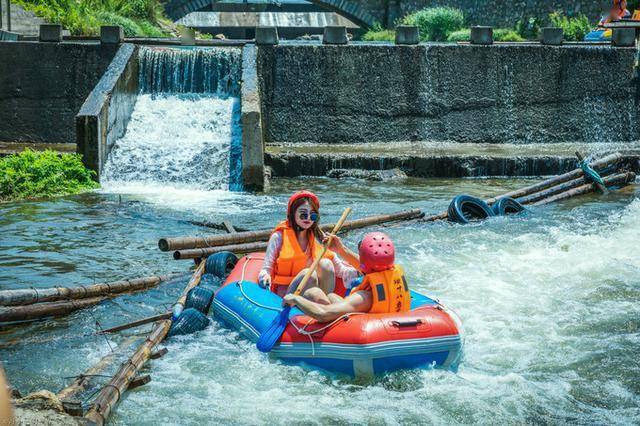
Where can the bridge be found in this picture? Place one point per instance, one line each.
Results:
(353, 10)
(366, 13)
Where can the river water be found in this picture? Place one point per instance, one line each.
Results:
(549, 302)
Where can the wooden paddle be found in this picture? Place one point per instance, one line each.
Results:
(273, 333)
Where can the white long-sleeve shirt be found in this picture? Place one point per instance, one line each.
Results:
(342, 269)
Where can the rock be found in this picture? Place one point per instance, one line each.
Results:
(41, 400)
(31, 417)
(372, 175)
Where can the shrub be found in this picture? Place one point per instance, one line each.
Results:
(437, 23)
(130, 27)
(42, 174)
(149, 29)
(575, 28)
(460, 35)
(529, 27)
(506, 34)
(377, 33)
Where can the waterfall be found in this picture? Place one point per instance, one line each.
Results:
(184, 131)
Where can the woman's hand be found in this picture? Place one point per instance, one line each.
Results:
(336, 243)
(264, 279)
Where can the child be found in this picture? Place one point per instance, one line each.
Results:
(382, 290)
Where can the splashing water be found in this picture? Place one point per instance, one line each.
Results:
(184, 132)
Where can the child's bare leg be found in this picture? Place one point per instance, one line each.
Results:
(315, 294)
(313, 281)
(334, 298)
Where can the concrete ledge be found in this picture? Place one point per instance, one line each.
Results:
(481, 35)
(407, 34)
(623, 37)
(111, 34)
(267, 36)
(105, 114)
(50, 33)
(551, 36)
(251, 119)
(334, 34)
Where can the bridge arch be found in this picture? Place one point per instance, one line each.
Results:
(353, 10)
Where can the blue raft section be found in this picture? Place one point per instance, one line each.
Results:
(249, 309)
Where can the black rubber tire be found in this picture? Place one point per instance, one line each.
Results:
(507, 205)
(220, 264)
(189, 321)
(464, 208)
(199, 298)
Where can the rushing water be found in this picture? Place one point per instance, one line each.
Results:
(549, 301)
(184, 131)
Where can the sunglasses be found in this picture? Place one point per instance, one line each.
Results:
(304, 216)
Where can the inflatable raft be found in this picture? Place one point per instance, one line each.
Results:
(356, 344)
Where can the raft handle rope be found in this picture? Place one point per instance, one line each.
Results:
(246, 296)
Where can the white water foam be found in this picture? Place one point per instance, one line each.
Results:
(180, 142)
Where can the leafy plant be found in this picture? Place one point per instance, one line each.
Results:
(84, 17)
(437, 23)
(460, 35)
(32, 174)
(575, 28)
(506, 34)
(528, 27)
(377, 33)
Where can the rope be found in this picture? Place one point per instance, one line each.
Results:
(589, 173)
(246, 296)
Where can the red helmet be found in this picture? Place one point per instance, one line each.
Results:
(302, 194)
(377, 252)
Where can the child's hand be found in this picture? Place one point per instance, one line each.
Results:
(290, 299)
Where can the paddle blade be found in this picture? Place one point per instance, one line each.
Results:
(272, 334)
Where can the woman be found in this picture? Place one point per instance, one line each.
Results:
(292, 248)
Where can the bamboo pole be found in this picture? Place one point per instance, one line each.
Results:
(179, 243)
(82, 381)
(45, 310)
(200, 253)
(616, 179)
(537, 196)
(136, 323)
(112, 391)
(35, 295)
(574, 174)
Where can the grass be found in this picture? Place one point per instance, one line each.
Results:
(377, 33)
(436, 23)
(84, 17)
(499, 34)
(32, 174)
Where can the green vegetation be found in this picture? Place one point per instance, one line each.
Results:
(31, 174)
(499, 34)
(575, 28)
(436, 23)
(528, 27)
(377, 33)
(84, 17)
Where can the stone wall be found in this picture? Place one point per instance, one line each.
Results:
(105, 113)
(43, 85)
(494, 94)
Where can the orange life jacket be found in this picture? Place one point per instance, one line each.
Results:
(389, 290)
(292, 259)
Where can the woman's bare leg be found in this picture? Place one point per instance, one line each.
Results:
(313, 281)
(326, 276)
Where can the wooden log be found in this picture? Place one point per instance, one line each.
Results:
(179, 243)
(119, 383)
(82, 381)
(218, 226)
(137, 323)
(200, 253)
(556, 180)
(615, 179)
(112, 391)
(45, 310)
(537, 196)
(139, 381)
(37, 295)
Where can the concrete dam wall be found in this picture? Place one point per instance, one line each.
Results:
(43, 85)
(507, 93)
